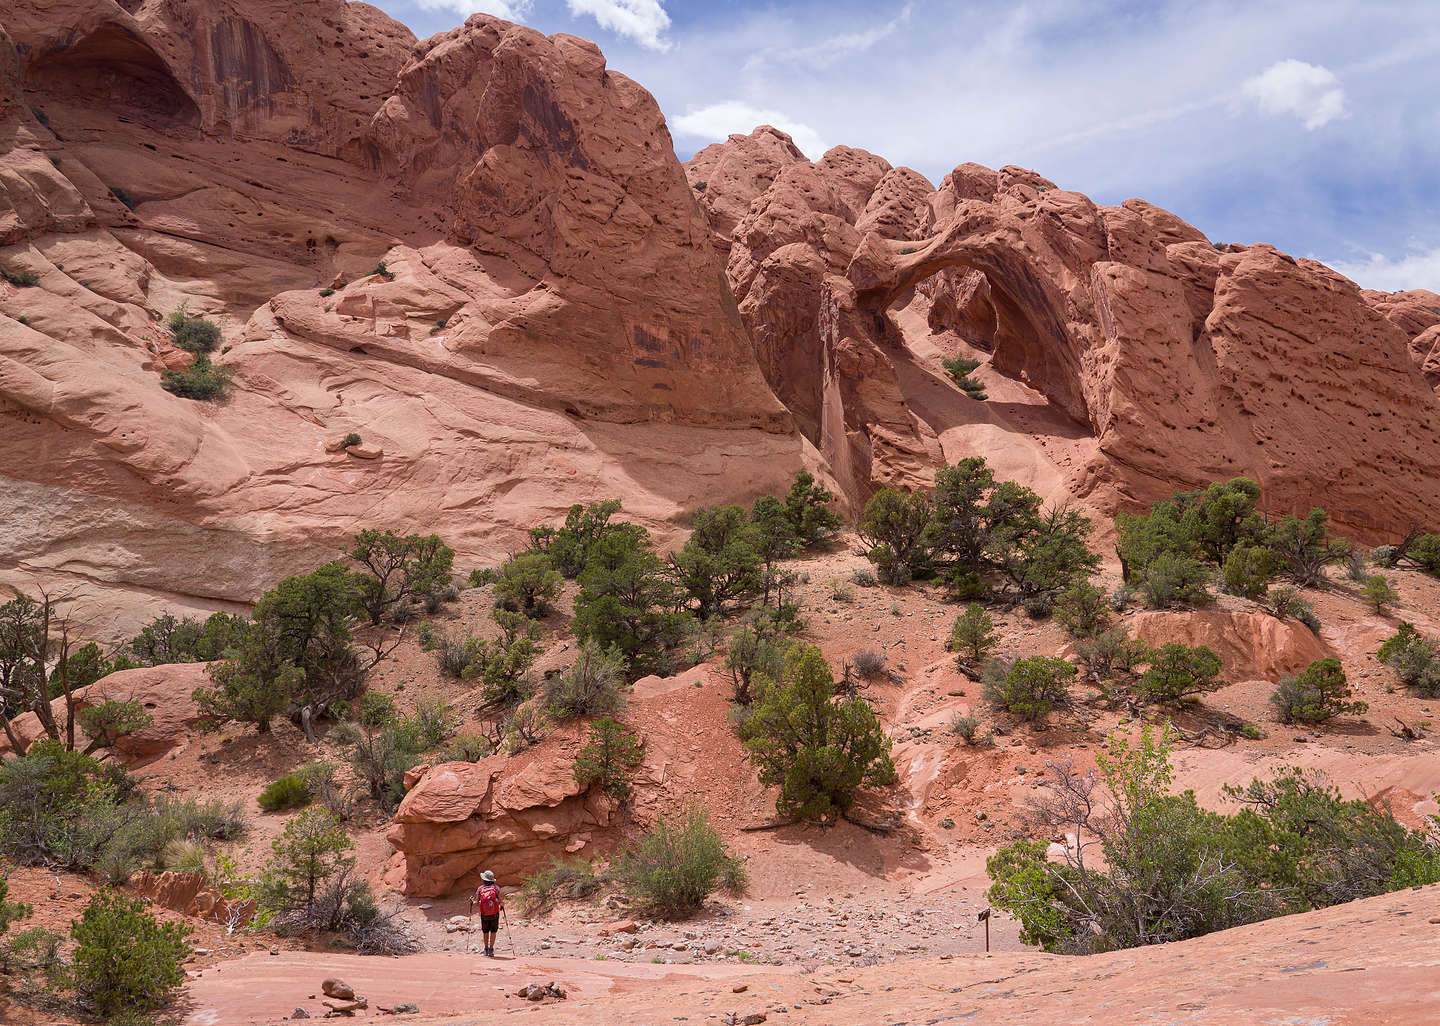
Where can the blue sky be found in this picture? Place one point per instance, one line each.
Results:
(1311, 125)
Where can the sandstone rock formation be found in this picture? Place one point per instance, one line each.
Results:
(553, 324)
(1185, 361)
(1252, 645)
(188, 893)
(162, 691)
(479, 253)
(506, 815)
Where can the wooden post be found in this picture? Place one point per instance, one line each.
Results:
(984, 917)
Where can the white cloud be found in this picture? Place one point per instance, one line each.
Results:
(1311, 93)
(1419, 269)
(644, 21)
(510, 10)
(838, 47)
(719, 120)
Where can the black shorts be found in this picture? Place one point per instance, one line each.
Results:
(490, 924)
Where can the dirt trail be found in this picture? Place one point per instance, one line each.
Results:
(263, 988)
(1370, 961)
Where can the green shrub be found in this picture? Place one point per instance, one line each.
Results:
(569, 547)
(1178, 671)
(1304, 547)
(1032, 688)
(809, 507)
(592, 686)
(720, 563)
(395, 570)
(313, 849)
(62, 808)
(11, 912)
(124, 959)
(433, 724)
(168, 640)
(382, 271)
(1286, 602)
(1357, 565)
(202, 380)
(819, 751)
(109, 721)
(353, 438)
(192, 332)
(1083, 609)
(464, 748)
(573, 880)
(380, 759)
(1112, 653)
(1415, 659)
(20, 279)
(1316, 694)
(375, 709)
(1167, 870)
(248, 694)
(1378, 593)
(864, 577)
(181, 856)
(896, 529)
(677, 864)
(526, 725)
(628, 602)
(1038, 607)
(960, 368)
(965, 727)
(326, 293)
(1173, 581)
(527, 583)
(287, 792)
(1248, 571)
(756, 651)
(1424, 552)
(972, 636)
(608, 759)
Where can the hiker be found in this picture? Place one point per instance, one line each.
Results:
(487, 896)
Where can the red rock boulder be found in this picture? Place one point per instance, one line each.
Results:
(1252, 645)
(502, 814)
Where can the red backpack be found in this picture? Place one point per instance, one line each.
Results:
(488, 898)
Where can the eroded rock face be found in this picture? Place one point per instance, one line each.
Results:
(740, 169)
(188, 893)
(162, 691)
(553, 327)
(1186, 362)
(1252, 645)
(506, 815)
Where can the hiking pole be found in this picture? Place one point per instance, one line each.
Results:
(508, 936)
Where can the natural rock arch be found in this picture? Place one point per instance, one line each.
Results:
(1034, 340)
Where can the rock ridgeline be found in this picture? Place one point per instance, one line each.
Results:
(1188, 361)
(480, 253)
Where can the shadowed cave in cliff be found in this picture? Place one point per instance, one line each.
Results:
(114, 63)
